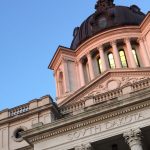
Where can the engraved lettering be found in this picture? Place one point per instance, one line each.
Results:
(128, 119)
(76, 134)
(105, 126)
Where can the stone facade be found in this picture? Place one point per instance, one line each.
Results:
(103, 95)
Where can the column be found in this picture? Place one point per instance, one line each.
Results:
(82, 80)
(66, 76)
(144, 53)
(116, 54)
(133, 139)
(77, 74)
(130, 54)
(102, 56)
(147, 46)
(91, 70)
(56, 82)
(84, 147)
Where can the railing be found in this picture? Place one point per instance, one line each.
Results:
(140, 85)
(19, 110)
(74, 107)
(107, 96)
(104, 97)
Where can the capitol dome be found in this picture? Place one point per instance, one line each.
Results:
(106, 16)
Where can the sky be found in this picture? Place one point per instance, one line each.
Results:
(30, 32)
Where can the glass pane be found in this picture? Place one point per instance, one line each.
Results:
(100, 64)
(135, 57)
(123, 59)
(111, 61)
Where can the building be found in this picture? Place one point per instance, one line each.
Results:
(103, 89)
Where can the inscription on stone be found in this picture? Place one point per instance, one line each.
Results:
(105, 126)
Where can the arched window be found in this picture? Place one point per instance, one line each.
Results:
(135, 57)
(99, 61)
(123, 59)
(61, 84)
(111, 61)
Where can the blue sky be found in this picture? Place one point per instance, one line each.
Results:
(30, 32)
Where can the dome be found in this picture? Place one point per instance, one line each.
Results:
(106, 16)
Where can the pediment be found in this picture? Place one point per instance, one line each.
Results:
(106, 82)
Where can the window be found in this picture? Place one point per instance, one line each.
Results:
(111, 61)
(17, 134)
(99, 61)
(135, 57)
(123, 59)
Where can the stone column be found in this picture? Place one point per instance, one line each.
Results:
(84, 147)
(82, 80)
(102, 56)
(56, 82)
(133, 139)
(77, 74)
(116, 54)
(147, 47)
(66, 76)
(91, 70)
(130, 54)
(143, 53)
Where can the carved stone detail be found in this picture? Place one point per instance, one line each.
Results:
(84, 147)
(119, 82)
(133, 138)
(131, 80)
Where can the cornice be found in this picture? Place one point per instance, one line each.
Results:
(89, 117)
(25, 115)
(145, 22)
(102, 37)
(107, 36)
(60, 50)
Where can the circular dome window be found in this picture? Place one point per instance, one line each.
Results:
(17, 134)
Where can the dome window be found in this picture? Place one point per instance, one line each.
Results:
(123, 58)
(135, 57)
(99, 61)
(111, 61)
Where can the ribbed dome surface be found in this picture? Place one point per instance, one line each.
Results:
(110, 17)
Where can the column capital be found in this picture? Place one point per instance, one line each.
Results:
(100, 47)
(64, 60)
(88, 54)
(77, 62)
(140, 39)
(127, 39)
(84, 147)
(133, 137)
(114, 42)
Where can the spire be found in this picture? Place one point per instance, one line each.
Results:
(102, 5)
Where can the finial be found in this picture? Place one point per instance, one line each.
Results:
(102, 5)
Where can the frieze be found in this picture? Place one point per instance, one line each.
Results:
(105, 126)
(99, 85)
(127, 119)
(115, 83)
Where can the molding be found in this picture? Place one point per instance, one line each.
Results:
(100, 38)
(79, 94)
(87, 118)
